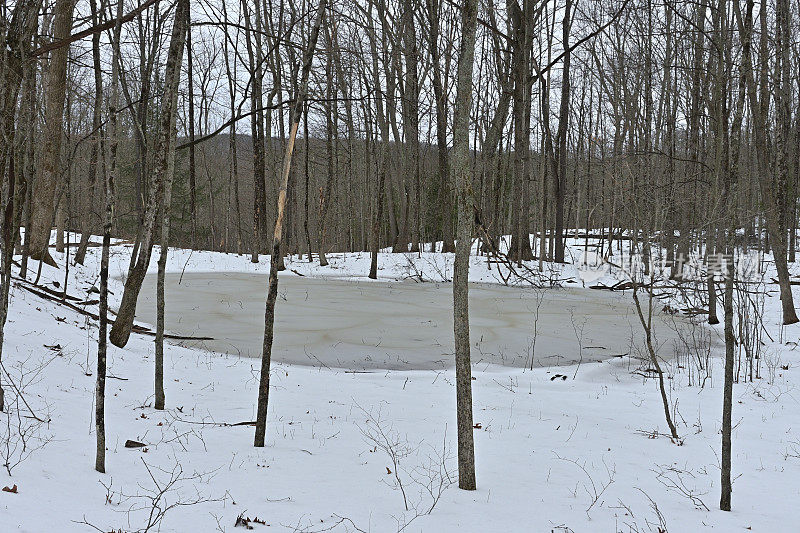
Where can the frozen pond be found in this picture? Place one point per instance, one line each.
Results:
(395, 325)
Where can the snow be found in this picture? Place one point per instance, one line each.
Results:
(584, 453)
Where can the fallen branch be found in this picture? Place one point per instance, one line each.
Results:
(76, 307)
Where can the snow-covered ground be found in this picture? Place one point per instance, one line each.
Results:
(557, 449)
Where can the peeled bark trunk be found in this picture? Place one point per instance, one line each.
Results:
(272, 292)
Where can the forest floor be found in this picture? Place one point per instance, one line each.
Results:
(581, 447)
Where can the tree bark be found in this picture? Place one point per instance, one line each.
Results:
(383, 153)
(18, 35)
(272, 292)
(108, 220)
(94, 158)
(121, 330)
(445, 199)
(766, 174)
(462, 177)
(561, 137)
(192, 156)
(164, 209)
(44, 200)
(520, 248)
(254, 55)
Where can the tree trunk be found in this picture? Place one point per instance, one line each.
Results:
(49, 175)
(18, 34)
(445, 200)
(727, 401)
(108, 219)
(325, 195)
(272, 292)
(121, 330)
(520, 248)
(462, 177)
(766, 176)
(95, 157)
(383, 154)
(164, 210)
(160, 300)
(192, 158)
(254, 55)
(561, 137)
(411, 121)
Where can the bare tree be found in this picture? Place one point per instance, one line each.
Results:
(255, 58)
(121, 330)
(95, 158)
(109, 177)
(462, 177)
(272, 291)
(771, 181)
(17, 44)
(523, 19)
(165, 205)
(47, 182)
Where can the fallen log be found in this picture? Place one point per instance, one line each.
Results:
(76, 307)
(59, 294)
(619, 286)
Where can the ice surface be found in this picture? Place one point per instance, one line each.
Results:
(401, 326)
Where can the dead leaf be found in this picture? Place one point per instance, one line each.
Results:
(12, 490)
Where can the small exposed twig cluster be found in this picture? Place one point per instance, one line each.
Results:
(430, 478)
(674, 479)
(23, 429)
(169, 489)
(594, 489)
